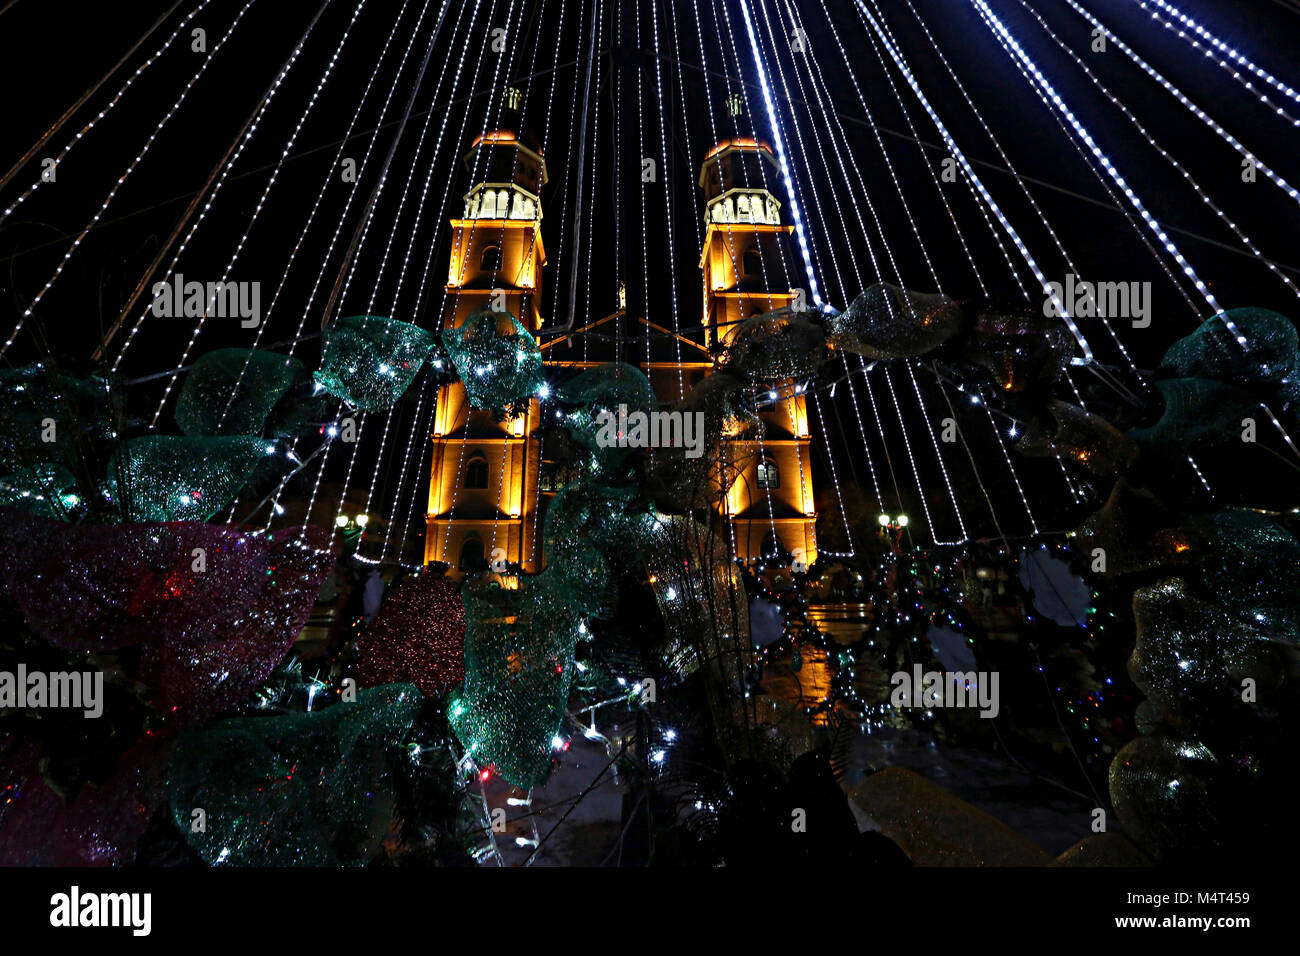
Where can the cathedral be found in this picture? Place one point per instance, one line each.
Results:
(490, 480)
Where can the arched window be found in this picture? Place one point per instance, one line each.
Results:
(742, 209)
(503, 204)
(767, 475)
(476, 472)
(491, 259)
(488, 206)
(471, 554)
(752, 264)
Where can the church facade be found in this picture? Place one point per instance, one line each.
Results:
(490, 482)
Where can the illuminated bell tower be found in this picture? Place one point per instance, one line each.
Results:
(744, 262)
(483, 484)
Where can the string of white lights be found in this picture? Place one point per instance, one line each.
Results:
(309, 306)
(835, 477)
(595, 136)
(929, 168)
(1240, 59)
(393, 231)
(108, 108)
(976, 195)
(1044, 88)
(332, 430)
(784, 166)
(1011, 45)
(1060, 247)
(863, 191)
(1182, 170)
(798, 422)
(852, 162)
(726, 450)
(412, 167)
(802, 158)
(361, 421)
(209, 200)
(901, 63)
(377, 194)
(979, 278)
(262, 199)
(997, 435)
(131, 167)
(506, 455)
(555, 301)
(667, 166)
(329, 177)
(1024, 187)
(421, 431)
(1195, 110)
(801, 43)
(880, 430)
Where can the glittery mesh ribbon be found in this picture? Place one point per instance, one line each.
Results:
(45, 414)
(1074, 433)
(369, 361)
(311, 789)
(887, 322)
(1270, 354)
(213, 608)
(775, 347)
(498, 361)
(1195, 409)
(232, 391)
(599, 392)
(182, 478)
(519, 648)
(701, 597)
(43, 489)
(97, 826)
(418, 636)
(1019, 350)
